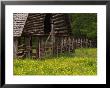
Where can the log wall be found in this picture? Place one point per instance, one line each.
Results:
(35, 24)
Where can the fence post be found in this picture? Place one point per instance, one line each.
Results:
(39, 49)
(86, 42)
(69, 44)
(81, 42)
(61, 44)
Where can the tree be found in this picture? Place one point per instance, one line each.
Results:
(84, 25)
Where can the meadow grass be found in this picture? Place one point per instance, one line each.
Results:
(82, 62)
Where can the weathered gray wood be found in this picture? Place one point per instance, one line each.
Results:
(58, 22)
(39, 49)
(34, 26)
(58, 18)
(28, 44)
(59, 25)
(57, 49)
(18, 23)
(52, 38)
(61, 44)
(15, 47)
(86, 42)
(69, 44)
(90, 43)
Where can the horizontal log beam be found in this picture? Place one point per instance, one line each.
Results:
(59, 25)
(35, 17)
(58, 22)
(58, 18)
(31, 22)
(34, 27)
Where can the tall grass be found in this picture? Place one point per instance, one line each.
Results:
(82, 62)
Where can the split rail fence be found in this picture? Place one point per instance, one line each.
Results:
(60, 45)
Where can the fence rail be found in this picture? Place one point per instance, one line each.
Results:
(61, 44)
(84, 43)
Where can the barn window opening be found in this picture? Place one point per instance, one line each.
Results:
(47, 23)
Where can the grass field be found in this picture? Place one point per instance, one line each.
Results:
(82, 62)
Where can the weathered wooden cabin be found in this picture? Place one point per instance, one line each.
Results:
(38, 35)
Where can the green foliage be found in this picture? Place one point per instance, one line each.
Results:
(84, 25)
(83, 62)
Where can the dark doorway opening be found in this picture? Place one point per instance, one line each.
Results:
(47, 23)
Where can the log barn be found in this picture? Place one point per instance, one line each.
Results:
(38, 35)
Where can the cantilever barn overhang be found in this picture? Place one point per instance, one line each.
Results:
(39, 25)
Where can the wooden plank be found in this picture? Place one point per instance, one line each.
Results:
(61, 44)
(35, 27)
(86, 42)
(30, 22)
(90, 45)
(73, 43)
(81, 42)
(59, 25)
(69, 43)
(61, 28)
(15, 47)
(33, 17)
(30, 45)
(57, 50)
(58, 18)
(58, 22)
(61, 31)
(52, 38)
(39, 49)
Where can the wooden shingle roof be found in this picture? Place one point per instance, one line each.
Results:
(19, 20)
